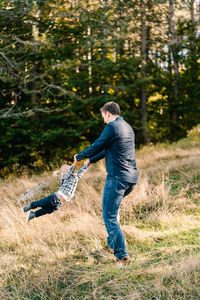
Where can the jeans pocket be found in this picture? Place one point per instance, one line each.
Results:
(121, 187)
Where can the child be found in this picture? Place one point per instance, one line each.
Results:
(51, 203)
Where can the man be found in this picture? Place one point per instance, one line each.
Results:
(117, 145)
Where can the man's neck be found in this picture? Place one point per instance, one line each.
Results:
(113, 118)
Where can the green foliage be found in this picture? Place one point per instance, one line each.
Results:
(60, 61)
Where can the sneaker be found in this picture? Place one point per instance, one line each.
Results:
(26, 208)
(31, 215)
(125, 261)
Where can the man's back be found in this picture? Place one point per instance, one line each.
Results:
(120, 153)
(117, 145)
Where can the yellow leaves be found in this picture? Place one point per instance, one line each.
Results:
(61, 8)
(111, 91)
(137, 102)
(38, 159)
(156, 97)
(110, 56)
(38, 163)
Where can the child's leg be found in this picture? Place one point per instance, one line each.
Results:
(43, 211)
(50, 201)
(48, 205)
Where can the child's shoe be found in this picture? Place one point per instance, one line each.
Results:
(31, 215)
(26, 208)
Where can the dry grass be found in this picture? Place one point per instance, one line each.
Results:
(64, 256)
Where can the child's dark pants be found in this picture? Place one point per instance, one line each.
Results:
(48, 205)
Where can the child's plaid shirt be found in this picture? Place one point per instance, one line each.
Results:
(69, 182)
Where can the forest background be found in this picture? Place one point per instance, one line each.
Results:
(60, 61)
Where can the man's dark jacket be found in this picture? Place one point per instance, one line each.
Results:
(117, 145)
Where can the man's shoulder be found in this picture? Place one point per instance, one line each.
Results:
(109, 127)
(119, 121)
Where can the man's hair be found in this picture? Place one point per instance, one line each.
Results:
(111, 107)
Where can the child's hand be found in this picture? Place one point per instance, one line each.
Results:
(87, 163)
(75, 160)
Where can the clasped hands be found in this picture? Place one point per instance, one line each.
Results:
(87, 163)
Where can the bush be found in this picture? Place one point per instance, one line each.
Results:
(194, 133)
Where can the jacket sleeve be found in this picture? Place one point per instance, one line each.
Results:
(97, 157)
(100, 144)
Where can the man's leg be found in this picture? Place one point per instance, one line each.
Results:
(112, 196)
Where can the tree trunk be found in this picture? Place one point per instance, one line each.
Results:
(104, 40)
(120, 29)
(174, 99)
(35, 95)
(144, 123)
(192, 11)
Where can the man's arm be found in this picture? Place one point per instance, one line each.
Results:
(100, 144)
(97, 157)
(94, 158)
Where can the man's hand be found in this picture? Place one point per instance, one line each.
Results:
(87, 163)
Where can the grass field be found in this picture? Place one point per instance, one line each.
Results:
(64, 255)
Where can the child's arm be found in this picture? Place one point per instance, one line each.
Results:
(81, 171)
(70, 171)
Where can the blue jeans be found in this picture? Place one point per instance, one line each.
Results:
(114, 191)
(48, 205)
